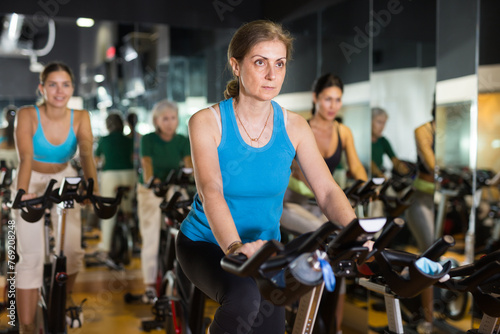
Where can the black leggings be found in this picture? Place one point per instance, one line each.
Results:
(242, 308)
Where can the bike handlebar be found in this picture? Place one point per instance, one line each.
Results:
(274, 266)
(181, 177)
(361, 192)
(33, 209)
(481, 278)
(395, 206)
(390, 264)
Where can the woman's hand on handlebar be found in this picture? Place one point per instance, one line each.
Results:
(250, 248)
(28, 196)
(369, 244)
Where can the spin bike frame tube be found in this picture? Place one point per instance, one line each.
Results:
(67, 193)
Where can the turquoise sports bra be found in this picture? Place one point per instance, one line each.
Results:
(44, 151)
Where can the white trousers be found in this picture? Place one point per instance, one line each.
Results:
(30, 236)
(148, 210)
(110, 181)
(150, 220)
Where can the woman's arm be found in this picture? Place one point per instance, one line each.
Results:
(400, 166)
(376, 172)
(355, 166)
(330, 197)
(423, 138)
(147, 168)
(205, 137)
(188, 163)
(85, 147)
(24, 143)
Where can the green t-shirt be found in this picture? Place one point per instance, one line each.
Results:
(379, 148)
(165, 155)
(117, 150)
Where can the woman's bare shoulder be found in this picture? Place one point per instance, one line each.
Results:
(295, 121)
(26, 109)
(345, 131)
(204, 115)
(26, 112)
(205, 120)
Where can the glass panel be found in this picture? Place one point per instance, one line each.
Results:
(403, 75)
(453, 135)
(457, 135)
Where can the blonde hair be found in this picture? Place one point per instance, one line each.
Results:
(160, 107)
(246, 37)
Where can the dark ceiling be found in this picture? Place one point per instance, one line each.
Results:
(186, 14)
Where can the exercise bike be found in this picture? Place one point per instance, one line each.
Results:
(302, 264)
(51, 312)
(482, 279)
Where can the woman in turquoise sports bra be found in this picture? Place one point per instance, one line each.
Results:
(47, 137)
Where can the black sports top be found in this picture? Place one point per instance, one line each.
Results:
(334, 160)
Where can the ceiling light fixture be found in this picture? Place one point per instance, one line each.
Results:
(84, 22)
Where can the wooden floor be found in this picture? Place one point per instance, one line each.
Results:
(105, 310)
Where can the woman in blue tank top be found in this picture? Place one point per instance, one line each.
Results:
(242, 150)
(47, 137)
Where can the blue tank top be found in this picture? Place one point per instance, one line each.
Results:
(44, 151)
(254, 181)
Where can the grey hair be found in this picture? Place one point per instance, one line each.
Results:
(161, 106)
(376, 111)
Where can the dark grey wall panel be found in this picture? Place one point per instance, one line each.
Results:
(456, 38)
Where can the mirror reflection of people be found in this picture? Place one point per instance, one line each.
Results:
(47, 137)
(161, 151)
(114, 153)
(8, 151)
(381, 146)
(420, 214)
(494, 181)
(333, 140)
(132, 120)
(242, 150)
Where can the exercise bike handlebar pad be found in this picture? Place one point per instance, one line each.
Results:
(409, 286)
(276, 277)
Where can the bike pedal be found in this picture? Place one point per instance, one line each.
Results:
(148, 325)
(75, 317)
(131, 298)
